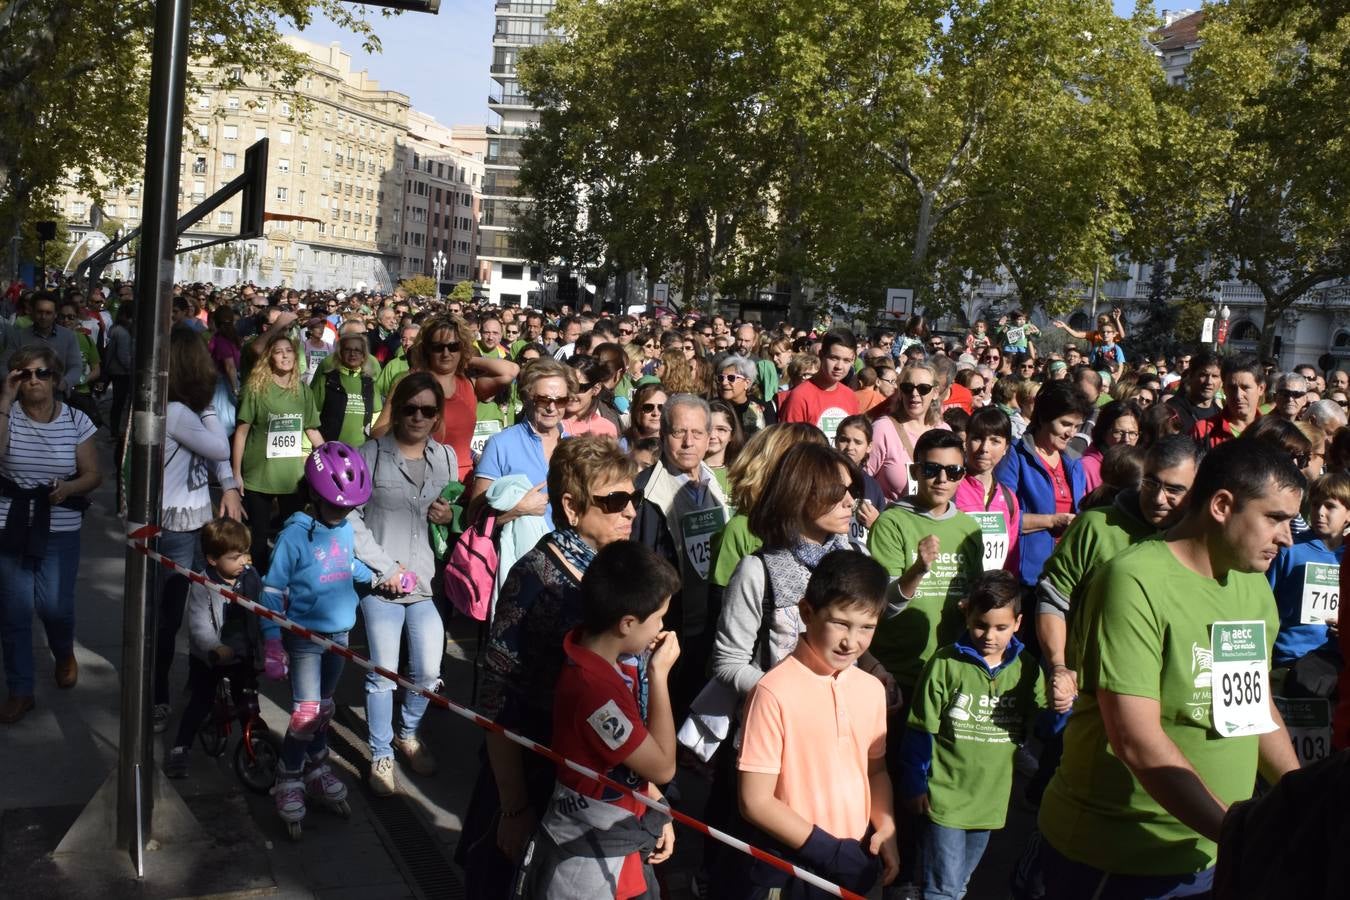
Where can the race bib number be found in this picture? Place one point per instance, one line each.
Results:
(1321, 593)
(1308, 720)
(994, 534)
(482, 431)
(829, 422)
(312, 360)
(857, 531)
(697, 529)
(1240, 679)
(1015, 335)
(283, 436)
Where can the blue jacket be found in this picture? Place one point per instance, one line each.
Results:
(1286, 580)
(316, 564)
(1022, 472)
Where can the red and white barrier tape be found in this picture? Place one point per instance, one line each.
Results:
(138, 537)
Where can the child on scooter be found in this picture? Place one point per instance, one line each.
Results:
(223, 638)
(309, 581)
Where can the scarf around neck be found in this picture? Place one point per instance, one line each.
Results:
(790, 568)
(573, 549)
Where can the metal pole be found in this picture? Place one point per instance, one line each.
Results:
(154, 289)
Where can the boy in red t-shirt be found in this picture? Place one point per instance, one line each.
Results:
(824, 401)
(585, 849)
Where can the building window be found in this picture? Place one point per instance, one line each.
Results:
(283, 165)
(203, 101)
(304, 167)
(284, 108)
(327, 146)
(77, 208)
(323, 227)
(259, 134)
(226, 217)
(229, 132)
(300, 198)
(231, 102)
(284, 138)
(281, 193)
(228, 160)
(198, 186)
(133, 211)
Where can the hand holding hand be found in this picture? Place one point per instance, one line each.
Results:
(1063, 688)
(60, 491)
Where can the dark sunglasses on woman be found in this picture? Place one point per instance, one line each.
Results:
(617, 501)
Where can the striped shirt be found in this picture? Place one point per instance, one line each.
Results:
(41, 452)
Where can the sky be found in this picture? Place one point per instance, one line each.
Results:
(442, 61)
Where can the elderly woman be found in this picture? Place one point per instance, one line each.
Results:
(593, 502)
(1047, 482)
(445, 349)
(408, 472)
(736, 379)
(48, 463)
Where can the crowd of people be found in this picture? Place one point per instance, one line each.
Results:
(857, 579)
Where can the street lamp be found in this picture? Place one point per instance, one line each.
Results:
(438, 265)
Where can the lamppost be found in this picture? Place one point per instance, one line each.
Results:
(438, 266)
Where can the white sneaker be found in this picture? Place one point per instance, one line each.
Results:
(382, 782)
(416, 753)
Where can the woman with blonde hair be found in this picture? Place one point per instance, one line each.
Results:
(678, 374)
(445, 348)
(906, 416)
(749, 477)
(277, 426)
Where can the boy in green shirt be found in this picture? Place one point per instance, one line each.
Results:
(973, 706)
(934, 552)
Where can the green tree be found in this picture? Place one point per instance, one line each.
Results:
(462, 291)
(74, 83)
(1258, 195)
(419, 285)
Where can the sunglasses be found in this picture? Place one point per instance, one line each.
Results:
(840, 490)
(930, 471)
(617, 501)
(729, 376)
(428, 411)
(627, 331)
(1292, 395)
(909, 387)
(584, 386)
(434, 347)
(649, 408)
(33, 374)
(545, 400)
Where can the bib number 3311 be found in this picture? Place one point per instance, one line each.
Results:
(1241, 679)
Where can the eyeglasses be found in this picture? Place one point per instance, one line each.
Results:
(43, 374)
(931, 470)
(584, 386)
(707, 334)
(909, 387)
(891, 381)
(1174, 491)
(649, 408)
(414, 409)
(838, 491)
(617, 501)
(627, 331)
(435, 347)
(1291, 395)
(1121, 435)
(729, 376)
(545, 400)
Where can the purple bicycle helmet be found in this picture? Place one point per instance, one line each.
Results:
(338, 474)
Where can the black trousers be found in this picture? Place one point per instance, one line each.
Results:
(258, 509)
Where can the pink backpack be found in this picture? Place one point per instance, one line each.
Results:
(471, 570)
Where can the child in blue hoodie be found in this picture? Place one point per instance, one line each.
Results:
(309, 581)
(1306, 576)
(974, 704)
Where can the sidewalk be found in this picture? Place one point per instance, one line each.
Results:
(57, 757)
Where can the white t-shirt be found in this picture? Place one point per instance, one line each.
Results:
(40, 452)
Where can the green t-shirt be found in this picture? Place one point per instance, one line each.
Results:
(353, 432)
(1094, 537)
(88, 357)
(977, 719)
(905, 642)
(1143, 629)
(275, 449)
(729, 546)
(393, 370)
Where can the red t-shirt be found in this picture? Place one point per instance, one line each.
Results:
(1059, 481)
(458, 416)
(597, 722)
(823, 409)
(959, 396)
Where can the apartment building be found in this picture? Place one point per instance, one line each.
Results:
(441, 172)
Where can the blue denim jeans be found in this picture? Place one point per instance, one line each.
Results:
(1066, 879)
(385, 626)
(47, 587)
(314, 677)
(184, 548)
(950, 856)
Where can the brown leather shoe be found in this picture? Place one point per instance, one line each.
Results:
(67, 672)
(15, 708)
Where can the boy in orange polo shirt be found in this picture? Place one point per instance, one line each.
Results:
(817, 783)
